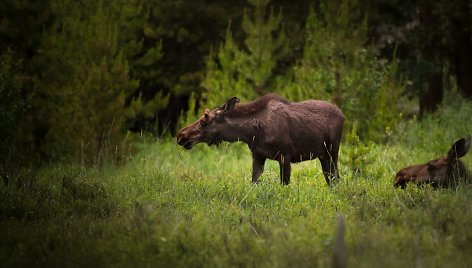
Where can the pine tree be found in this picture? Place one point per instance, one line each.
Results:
(187, 31)
(143, 50)
(247, 70)
(222, 77)
(86, 80)
(265, 44)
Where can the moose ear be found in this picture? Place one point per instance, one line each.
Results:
(206, 114)
(229, 105)
(460, 148)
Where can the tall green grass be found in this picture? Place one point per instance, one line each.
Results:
(169, 207)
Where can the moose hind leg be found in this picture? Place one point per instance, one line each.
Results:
(329, 161)
(329, 169)
(334, 159)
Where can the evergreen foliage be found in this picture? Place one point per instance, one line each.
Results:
(222, 78)
(86, 85)
(247, 70)
(265, 44)
(143, 53)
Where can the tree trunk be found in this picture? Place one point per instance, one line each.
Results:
(462, 24)
(431, 52)
(464, 72)
(430, 99)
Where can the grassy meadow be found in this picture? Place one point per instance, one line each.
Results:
(169, 207)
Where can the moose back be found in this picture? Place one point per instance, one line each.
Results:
(275, 129)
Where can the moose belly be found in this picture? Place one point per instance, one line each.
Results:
(294, 158)
(303, 157)
(282, 153)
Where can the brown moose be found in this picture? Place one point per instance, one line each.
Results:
(276, 129)
(445, 171)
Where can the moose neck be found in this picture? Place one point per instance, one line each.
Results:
(239, 129)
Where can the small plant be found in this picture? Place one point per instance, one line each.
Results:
(355, 153)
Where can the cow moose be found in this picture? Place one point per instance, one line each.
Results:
(276, 129)
(445, 171)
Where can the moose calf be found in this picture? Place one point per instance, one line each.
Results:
(276, 129)
(441, 172)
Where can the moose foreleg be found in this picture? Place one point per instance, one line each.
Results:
(257, 168)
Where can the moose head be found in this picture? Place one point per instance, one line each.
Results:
(441, 172)
(208, 128)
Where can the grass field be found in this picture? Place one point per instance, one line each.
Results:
(169, 207)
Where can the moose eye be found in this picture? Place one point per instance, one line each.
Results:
(204, 122)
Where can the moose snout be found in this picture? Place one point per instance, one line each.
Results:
(183, 140)
(400, 182)
(180, 139)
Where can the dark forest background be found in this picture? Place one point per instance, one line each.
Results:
(80, 77)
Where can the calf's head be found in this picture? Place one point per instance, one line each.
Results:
(208, 128)
(440, 172)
